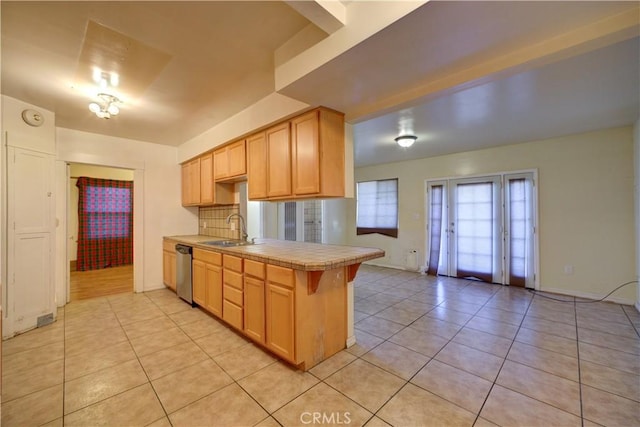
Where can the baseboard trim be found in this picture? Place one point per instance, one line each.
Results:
(588, 295)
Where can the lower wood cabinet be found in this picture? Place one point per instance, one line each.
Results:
(213, 292)
(207, 280)
(199, 281)
(232, 291)
(254, 305)
(280, 311)
(169, 264)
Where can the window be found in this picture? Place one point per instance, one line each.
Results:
(105, 223)
(377, 207)
(108, 212)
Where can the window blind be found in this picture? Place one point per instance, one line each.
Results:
(377, 207)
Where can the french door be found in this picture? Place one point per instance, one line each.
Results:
(482, 228)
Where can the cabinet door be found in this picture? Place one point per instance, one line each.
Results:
(194, 181)
(206, 179)
(305, 150)
(169, 269)
(280, 320)
(257, 166)
(199, 282)
(186, 196)
(213, 280)
(237, 159)
(278, 161)
(220, 164)
(254, 313)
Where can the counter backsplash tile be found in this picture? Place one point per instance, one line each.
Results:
(215, 219)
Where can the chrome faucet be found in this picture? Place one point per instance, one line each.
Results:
(242, 224)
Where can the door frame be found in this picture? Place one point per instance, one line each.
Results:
(62, 289)
(502, 174)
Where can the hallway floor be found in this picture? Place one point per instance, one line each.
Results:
(429, 352)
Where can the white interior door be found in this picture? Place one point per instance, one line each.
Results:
(30, 291)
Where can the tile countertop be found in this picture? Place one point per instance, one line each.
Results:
(296, 255)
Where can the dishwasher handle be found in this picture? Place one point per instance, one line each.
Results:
(183, 249)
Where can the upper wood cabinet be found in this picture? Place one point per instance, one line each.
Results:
(198, 186)
(317, 154)
(301, 158)
(278, 146)
(230, 161)
(206, 180)
(191, 183)
(257, 166)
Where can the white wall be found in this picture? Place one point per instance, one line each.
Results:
(636, 164)
(268, 110)
(157, 167)
(77, 170)
(585, 205)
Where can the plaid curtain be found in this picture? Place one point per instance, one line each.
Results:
(105, 223)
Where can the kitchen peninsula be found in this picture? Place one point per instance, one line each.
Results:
(293, 298)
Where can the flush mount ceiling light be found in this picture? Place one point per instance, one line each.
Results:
(106, 107)
(406, 141)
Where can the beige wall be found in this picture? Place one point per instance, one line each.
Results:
(586, 213)
(77, 170)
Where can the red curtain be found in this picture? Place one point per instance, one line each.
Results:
(105, 223)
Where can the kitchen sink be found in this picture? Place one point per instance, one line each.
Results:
(227, 243)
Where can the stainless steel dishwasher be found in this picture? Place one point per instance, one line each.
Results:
(183, 273)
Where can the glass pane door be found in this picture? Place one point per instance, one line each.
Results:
(475, 229)
(519, 229)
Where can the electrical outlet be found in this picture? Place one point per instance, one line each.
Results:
(233, 226)
(204, 225)
(568, 269)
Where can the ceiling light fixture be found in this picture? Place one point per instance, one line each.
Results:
(106, 107)
(406, 141)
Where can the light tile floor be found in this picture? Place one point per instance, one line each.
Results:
(429, 352)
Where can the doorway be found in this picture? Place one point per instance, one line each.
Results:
(301, 221)
(483, 228)
(102, 230)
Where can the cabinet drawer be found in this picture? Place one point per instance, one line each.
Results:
(232, 278)
(209, 257)
(169, 245)
(232, 263)
(254, 268)
(280, 275)
(232, 294)
(232, 314)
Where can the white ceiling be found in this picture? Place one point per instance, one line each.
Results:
(221, 61)
(460, 75)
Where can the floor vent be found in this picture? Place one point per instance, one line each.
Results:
(45, 320)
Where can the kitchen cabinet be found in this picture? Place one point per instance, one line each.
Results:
(207, 280)
(198, 282)
(232, 291)
(317, 154)
(206, 180)
(278, 146)
(198, 186)
(300, 158)
(169, 264)
(191, 183)
(280, 312)
(230, 161)
(254, 300)
(257, 166)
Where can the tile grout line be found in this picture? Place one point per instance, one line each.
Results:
(493, 384)
(138, 357)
